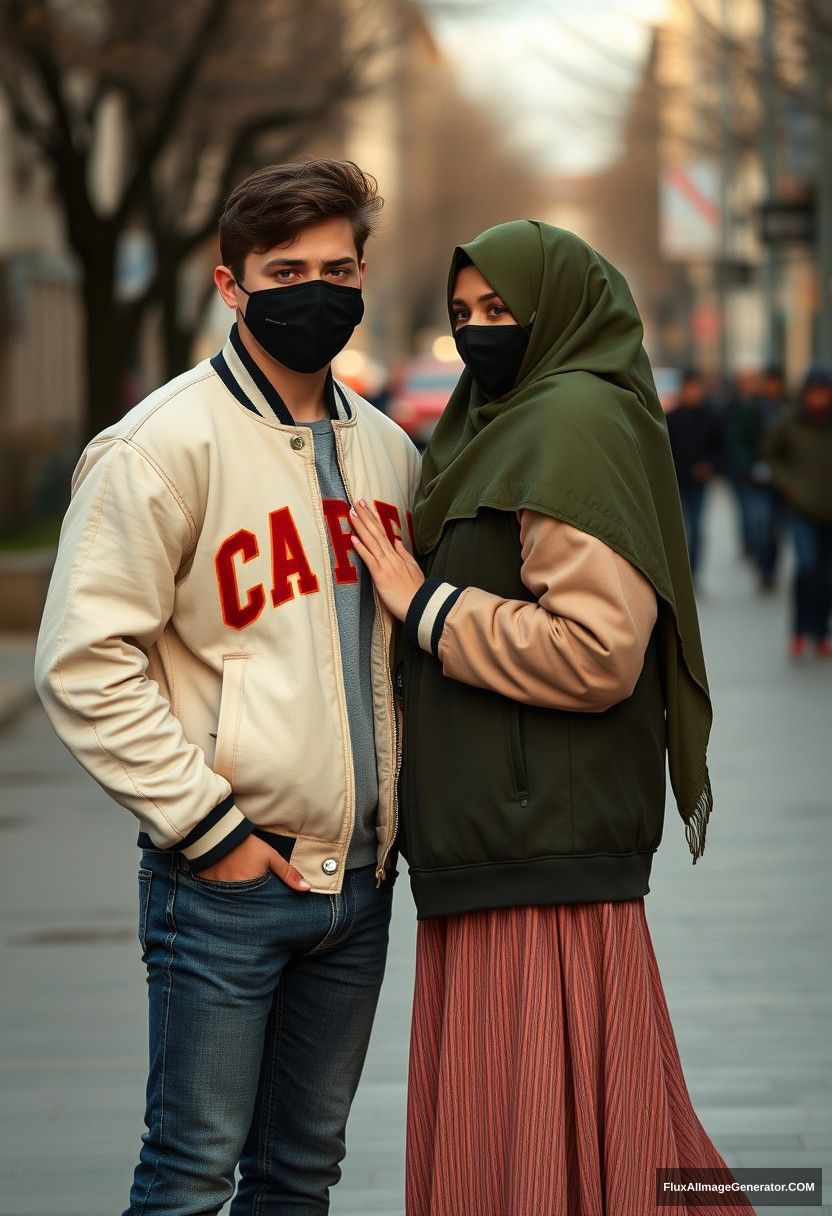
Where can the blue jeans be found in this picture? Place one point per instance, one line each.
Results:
(742, 494)
(261, 1004)
(693, 503)
(766, 514)
(812, 593)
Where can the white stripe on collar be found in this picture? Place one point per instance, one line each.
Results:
(345, 411)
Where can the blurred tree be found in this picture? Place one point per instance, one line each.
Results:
(147, 113)
(464, 174)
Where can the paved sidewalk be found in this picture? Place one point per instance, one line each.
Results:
(742, 940)
(17, 691)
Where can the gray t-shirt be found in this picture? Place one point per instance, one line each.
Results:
(355, 610)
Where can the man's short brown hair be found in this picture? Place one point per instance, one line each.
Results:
(278, 201)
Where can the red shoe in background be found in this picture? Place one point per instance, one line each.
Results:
(797, 647)
(823, 649)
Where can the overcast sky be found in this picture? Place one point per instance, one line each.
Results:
(556, 72)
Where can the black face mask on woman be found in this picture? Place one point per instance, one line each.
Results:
(306, 325)
(493, 354)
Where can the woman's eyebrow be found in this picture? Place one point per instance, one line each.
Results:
(489, 295)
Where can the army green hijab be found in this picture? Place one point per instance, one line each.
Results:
(581, 437)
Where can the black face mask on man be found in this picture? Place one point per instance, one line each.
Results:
(493, 354)
(304, 326)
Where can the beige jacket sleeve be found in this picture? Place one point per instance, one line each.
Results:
(580, 647)
(123, 540)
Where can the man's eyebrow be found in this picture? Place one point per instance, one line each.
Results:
(303, 263)
(285, 262)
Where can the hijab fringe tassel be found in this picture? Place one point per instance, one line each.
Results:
(696, 825)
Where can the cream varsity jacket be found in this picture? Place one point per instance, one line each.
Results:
(188, 654)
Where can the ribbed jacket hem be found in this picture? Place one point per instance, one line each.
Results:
(593, 878)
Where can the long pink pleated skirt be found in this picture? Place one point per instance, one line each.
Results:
(545, 1079)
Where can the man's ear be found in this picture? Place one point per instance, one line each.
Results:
(227, 287)
(361, 272)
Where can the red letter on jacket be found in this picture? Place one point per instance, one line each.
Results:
(288, 559)
(234, 613)
(390, 518)
(337, 513)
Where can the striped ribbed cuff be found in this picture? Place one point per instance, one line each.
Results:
(218, 833)
(428, 612)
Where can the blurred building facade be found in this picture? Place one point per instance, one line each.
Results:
(714, 208)
(41, 341)
(734, 83)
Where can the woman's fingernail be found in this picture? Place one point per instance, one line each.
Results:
(361, 502)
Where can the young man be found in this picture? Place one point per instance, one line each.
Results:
(213, 652)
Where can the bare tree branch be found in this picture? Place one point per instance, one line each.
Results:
(23, 117)
(151, 147)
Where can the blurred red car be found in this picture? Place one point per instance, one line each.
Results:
(424, 387)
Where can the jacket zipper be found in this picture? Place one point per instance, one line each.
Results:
(334, 638)
(397, 758)
(396, 755)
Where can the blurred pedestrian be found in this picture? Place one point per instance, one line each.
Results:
(760, 414)
(553, 661)
(212, 651)
(736, 458)
(696, 443)
(799, 453)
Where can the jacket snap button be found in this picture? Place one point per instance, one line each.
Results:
(329, 866)
(297, 442)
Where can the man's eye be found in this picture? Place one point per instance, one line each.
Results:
(338, 272)
(285, 275)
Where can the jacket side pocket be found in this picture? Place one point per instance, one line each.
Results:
(230, 717)
(517, 750)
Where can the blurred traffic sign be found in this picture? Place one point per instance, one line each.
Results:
(785, 222)
(734, 272)
(690, 214)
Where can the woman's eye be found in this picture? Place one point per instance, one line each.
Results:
(497, 310)
(460, 318)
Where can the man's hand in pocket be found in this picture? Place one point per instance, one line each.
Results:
(251, 858)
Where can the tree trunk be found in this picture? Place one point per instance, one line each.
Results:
(177, 338)
(104, 342)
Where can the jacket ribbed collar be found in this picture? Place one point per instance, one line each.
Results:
(244, 379)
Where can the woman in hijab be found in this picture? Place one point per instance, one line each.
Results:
(552, 662)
